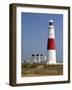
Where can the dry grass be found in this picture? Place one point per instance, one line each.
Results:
(41, 70)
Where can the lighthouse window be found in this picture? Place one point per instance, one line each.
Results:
(50, 23)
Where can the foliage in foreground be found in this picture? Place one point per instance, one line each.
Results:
(41, 69)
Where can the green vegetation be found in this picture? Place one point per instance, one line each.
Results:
(41, 69)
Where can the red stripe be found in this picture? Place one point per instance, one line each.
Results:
(51, 43)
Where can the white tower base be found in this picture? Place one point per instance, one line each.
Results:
(52, 56)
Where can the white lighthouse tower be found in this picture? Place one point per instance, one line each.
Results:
(51, 47)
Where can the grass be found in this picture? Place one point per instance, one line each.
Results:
(41, 70)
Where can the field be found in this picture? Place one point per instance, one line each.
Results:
(41, 69)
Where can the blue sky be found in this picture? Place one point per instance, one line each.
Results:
(34, 32)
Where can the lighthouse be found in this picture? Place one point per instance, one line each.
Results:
(51, 44)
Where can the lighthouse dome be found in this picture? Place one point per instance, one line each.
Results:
(51, 22)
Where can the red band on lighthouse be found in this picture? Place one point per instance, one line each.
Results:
(51, 43)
